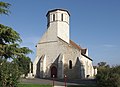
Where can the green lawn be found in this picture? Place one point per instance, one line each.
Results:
(38, 85)
(33, 85)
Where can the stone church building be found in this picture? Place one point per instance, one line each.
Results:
(57, 55)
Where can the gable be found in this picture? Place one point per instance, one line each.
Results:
(83, 51)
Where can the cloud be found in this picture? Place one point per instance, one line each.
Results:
(30, 41)
(109, 45)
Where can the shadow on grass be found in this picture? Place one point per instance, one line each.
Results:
(33, 85)
(82, 86)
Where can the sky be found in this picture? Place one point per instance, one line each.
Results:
(94, 24)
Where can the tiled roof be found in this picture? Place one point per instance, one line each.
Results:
(83, 51)
(78, 47)
(75, 45)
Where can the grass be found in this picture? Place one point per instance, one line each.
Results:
(39, 85)
(33, 85)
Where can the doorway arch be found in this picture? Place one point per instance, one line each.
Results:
(53, 72)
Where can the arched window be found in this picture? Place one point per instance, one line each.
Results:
(61, 17)
(53, 17)
(70, 64)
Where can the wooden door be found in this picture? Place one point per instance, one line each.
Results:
(53, 72)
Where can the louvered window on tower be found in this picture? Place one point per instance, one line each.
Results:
(70, 64)
(48, 20)
(61, 17)
(53, 17)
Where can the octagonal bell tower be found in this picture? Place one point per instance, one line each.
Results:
(58, 21)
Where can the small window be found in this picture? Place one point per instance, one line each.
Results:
(70, 64)
(61, 17)
(48, 19)
(53, 17)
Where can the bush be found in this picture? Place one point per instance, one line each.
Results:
(108, 77)
(9, 74)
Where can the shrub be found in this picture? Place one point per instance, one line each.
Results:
(9, 74)
(108, 77)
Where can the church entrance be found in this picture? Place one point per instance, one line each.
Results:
(53, 72)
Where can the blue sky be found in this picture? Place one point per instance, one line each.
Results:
(94, 24)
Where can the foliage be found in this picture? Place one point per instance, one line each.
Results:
(8, 35)
(4, 8)
(10, 49)
(23, 64)
(108, 76)
(9, 46)
(8, 42)
(103, 64)
(9, 74)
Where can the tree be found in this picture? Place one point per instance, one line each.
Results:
(8, 42)
(10, 49)
(9, 74)
(23, 64)
(4, 8)
(102, 64)
(108, 76)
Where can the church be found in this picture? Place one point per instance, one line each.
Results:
(57, 55)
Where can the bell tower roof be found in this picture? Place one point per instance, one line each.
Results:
(57, 10)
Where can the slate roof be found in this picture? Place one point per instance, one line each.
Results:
(56, 10)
